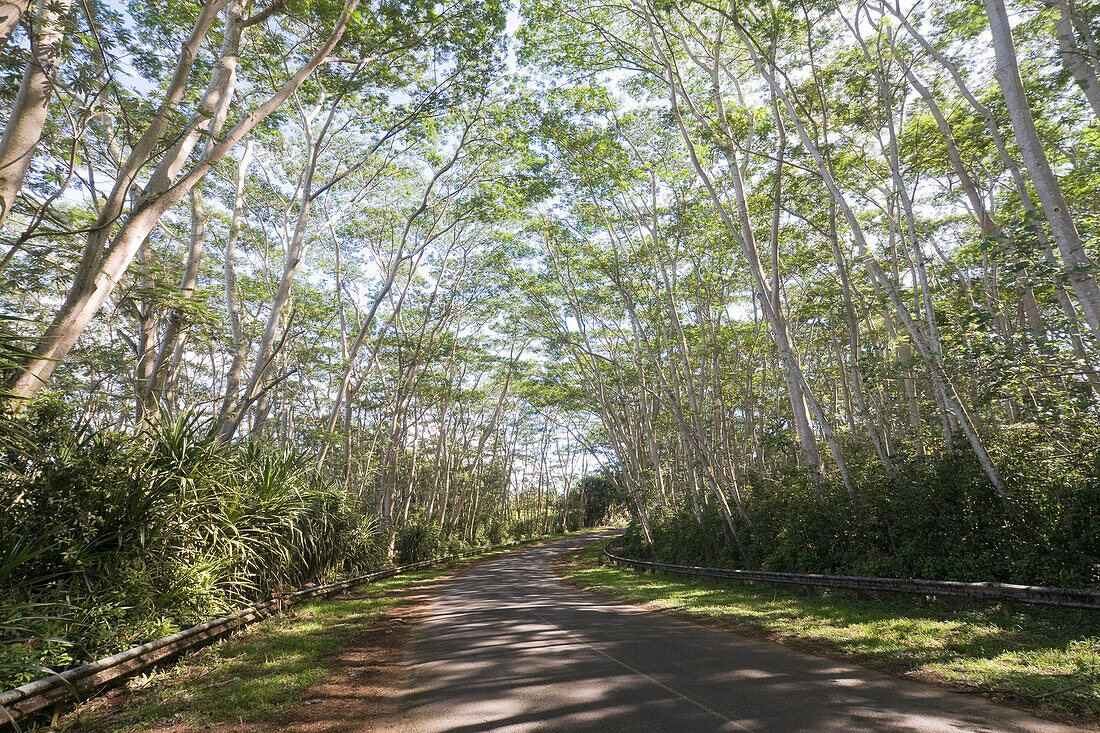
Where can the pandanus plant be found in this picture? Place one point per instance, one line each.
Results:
(109, 540)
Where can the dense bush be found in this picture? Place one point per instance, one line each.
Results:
(499, 531)
(454, 544)
(107, 539)
(595, 500)
(417, 541)
(522, 529)
(682, 538)
(937, 518)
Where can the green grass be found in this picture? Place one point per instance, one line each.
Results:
(1046, 659)
(253, 675)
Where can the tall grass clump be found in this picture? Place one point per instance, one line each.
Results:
(109, 539)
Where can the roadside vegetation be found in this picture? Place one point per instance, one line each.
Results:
(252, 676)
(109, 539)
(249, 678)
(297, 288)
(1044, 659)
(261, 672)
(935, 518)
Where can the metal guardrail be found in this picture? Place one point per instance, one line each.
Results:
(23, 701)
(1035, 594)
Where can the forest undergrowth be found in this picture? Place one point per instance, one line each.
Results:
(936, 518)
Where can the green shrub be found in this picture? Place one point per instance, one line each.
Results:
(417, 541)
(526, 528)
(595, 500)
(454, 545)
(109, 540)
(499, 531)
(937, 518)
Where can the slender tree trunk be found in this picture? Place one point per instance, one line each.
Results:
(389, 278)
(585, 359)
(11, 12)
(1064, 301)
(292, 260)
(28, 114)
(931, 356)
(232, 306)
(167, 361)
(1075, 59)
(1079, 268)
(96, 276)
(147, 334)
(776, 322)
(99, 271)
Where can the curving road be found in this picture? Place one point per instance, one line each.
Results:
(509, 647)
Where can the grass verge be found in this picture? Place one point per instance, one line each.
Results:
(251, 676)
(1047, 660)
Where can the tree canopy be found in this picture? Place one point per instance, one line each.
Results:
(803, 286)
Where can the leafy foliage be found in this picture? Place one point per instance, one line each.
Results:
(935, 519)
(596, 500)
(107, 540)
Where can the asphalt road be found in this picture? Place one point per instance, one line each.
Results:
(509, 647)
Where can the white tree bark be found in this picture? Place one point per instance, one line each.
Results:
(1074, 58)
(389, 278)
(232, 305)
(11, 12)
(170, 352)
(100, 270)
(930, 356)
(24, 127)
(1079, 268)
(741, 230)
(1064, 301)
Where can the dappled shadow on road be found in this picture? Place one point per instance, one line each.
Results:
(510, 648)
